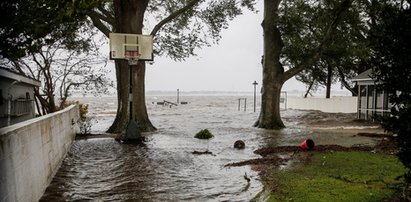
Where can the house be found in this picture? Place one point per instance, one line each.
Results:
(17, 97)
(371, 99)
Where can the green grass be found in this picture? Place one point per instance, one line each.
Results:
(337, 176)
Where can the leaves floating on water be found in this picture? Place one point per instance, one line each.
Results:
(202, 152)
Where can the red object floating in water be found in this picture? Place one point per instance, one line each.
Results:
(307, 144)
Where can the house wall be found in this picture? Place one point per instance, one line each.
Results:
(17, 90)
(32, 151)
(343, 104)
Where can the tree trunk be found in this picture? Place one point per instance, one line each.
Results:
(329, 81)
(354, 90)
(139, 101)
(309, 89)
(129, 17)
(273, 71)
(123, 90)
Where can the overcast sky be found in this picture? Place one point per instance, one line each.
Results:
(232, 65)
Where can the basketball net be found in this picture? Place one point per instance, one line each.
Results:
(132, 61)
(132, 57)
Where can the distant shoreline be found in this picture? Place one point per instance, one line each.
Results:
(293, 93)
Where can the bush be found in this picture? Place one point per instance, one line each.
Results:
(82, 107)
(204, 134)
(398, 123)
(85, 123)
(85, 126)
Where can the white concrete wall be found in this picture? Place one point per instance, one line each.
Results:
(32, 151)
(343, 104)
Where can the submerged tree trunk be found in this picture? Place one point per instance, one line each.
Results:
(123, 89)
(140, 114)
(273, 71)
(129, 17)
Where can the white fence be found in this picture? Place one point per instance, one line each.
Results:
(343, 104)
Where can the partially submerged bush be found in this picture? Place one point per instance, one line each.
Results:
(82, 107)
(204, 134)
(85, 123)
(85, 126)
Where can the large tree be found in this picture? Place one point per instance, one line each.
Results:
(182, 27)
(274, 73)
(391, 45)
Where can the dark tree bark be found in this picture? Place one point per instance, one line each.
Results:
(272, 69)
(139, 101)
(329, 81)
(353, 90)
(123, 89)
(309, 89)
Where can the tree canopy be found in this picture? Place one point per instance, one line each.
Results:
(303, 24)
(179, 27)
(391, 50)
(278, 67)
(27, 25)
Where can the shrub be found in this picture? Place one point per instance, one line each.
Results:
(204, 134)
(85, 123)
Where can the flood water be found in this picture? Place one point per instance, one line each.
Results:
(164, 168)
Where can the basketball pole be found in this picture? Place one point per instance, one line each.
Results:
(132, 133)
(130, 95)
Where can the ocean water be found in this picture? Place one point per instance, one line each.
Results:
(164, 168)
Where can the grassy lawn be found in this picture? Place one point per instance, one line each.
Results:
(337, 176)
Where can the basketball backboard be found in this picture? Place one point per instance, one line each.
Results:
(131, 46)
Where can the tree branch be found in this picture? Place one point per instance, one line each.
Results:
(345, 83)
(99, 25)
(108, 19)
(345, 5)
(173, 16)
(107, 13)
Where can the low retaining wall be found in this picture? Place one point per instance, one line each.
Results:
(32, 151)
(341, 104)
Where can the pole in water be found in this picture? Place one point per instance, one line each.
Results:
(178, 96)
(245, 104)
(255, 85)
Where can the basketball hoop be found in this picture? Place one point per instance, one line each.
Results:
(132, 56)
(131, 47)
(132, 61)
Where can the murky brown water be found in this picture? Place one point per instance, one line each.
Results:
(163, 168)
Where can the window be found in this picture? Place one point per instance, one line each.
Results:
(20, 107)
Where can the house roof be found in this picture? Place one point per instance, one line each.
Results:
(365, 76)
(8, 73)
